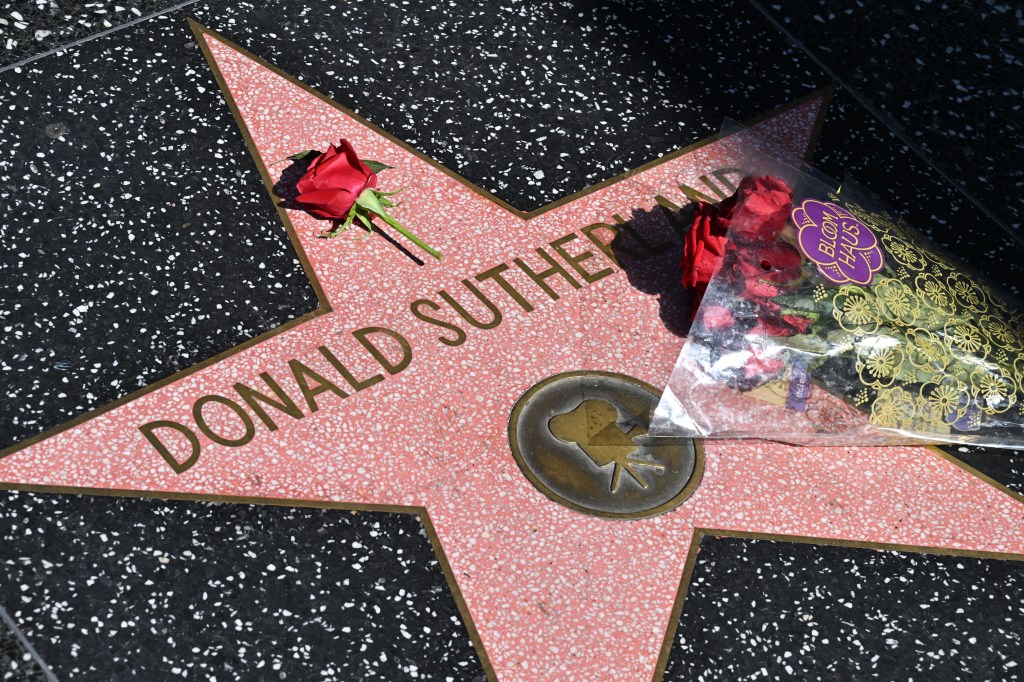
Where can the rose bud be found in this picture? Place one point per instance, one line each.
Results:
(341, 187)
(333, 183)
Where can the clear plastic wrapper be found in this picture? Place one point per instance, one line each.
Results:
(831, 321)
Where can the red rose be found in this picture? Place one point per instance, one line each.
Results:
(703, 252)
(717, 317)
(798, 322)
(762, 268)
(777, 262)
(333, 182)
(781, 325)
(759, 208)
(757, 211)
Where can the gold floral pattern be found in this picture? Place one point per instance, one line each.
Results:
(934, 348)
(933, 290)
(946, 398)
(893, 409)
(899, 304)
(993, 391)
(965, 294)
(966, 337)
(1015, 322)
(925, 350)
(930, 416)
(904, 253)
(1001, 333)
(940, 263)
(855, 310)
(879, 361)
(869, 219)
(996, 299)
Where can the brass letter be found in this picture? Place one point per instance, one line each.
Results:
(695, 196)
(392, 368)
(722, 172)
(457, 341)
(300, 371)
(646, 245)
(672, 211)
(283, 403)
(605, 247)
(575, 261)
(347, 375)
(179, 467)
(539, 277)
(495, 274)
(465, 314)
(197, 414)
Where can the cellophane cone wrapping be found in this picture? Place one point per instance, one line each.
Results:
(845, 326)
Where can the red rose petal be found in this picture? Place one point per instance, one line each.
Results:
(717, 317)
(334, 180)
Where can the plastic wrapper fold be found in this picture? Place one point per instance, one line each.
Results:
(829, 320)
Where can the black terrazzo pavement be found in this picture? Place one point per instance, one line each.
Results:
(854, 143)
(32, 27)
(946, 73)
(17, 661)
(138, 236)
(759, 610)
(132, 589)
(532, 100)
(1004, 466)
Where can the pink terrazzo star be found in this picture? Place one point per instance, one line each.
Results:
(552, 594)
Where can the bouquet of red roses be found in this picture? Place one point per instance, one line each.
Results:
(820, 317)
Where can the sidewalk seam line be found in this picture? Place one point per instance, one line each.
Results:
(20, 636)
(887, 121)
(105, 32)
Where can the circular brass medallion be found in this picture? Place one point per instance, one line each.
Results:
(581, 438)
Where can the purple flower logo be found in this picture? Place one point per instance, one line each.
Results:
(843, 248)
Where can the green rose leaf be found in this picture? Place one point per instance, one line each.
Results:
(376, 166)
(298, 156)
(369, 200)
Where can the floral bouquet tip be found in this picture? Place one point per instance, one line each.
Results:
(821, 318)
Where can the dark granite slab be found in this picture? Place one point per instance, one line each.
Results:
(204, 591)
(759, 610)
(531, 100)
(944, 74)
(139, 239)
(29, 28)
(1004, 466)
(18, 659)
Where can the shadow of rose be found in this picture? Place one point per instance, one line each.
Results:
(648, 247)
(285, 187)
